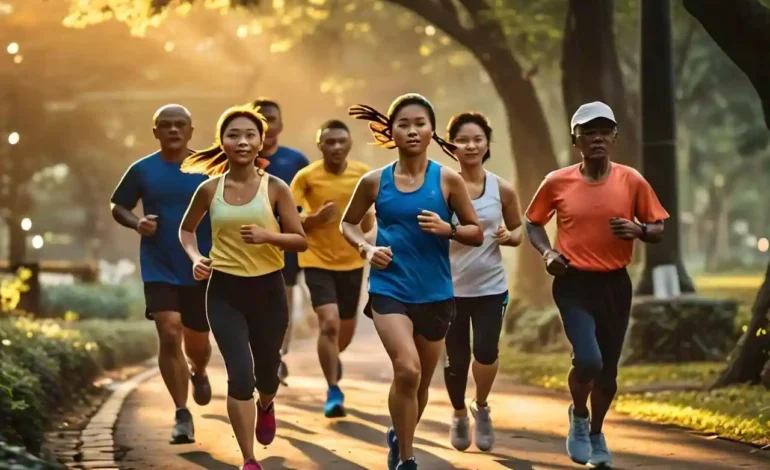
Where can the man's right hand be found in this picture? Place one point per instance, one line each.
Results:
(147, 225)
(328, 212)
(202, 269)
(378, 256)
(555, 263)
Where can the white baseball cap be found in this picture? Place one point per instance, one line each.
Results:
(590, 111)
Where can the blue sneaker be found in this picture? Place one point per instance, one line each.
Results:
(578, 443)
(335, 400)
(393, 451)
(600, 454)
(410, 464)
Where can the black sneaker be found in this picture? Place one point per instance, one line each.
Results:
(201, 388)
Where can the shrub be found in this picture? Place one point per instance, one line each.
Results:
(17, 458)
(93, 301)
(45, 365)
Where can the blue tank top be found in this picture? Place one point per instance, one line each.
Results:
(420, 271)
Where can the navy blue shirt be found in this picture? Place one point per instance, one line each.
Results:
(285, 163)
(166, 192)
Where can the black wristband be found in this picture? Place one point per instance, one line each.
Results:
(644, 232)
(454, 230)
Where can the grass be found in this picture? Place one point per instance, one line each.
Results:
(738, 412)
(741, 413)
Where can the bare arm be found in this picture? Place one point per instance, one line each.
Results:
(124, 216)
(199, 206)
(469, 231)
(368, 223)
(511, 213)
(292, 237)
(363, 197)
(538, 237)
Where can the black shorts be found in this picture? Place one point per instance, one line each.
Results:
(190, 301)
(431, 320)
(335, 287)
(290, 269)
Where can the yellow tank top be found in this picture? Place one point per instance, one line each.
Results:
(229, 253)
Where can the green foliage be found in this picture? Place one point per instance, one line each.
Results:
(17, 458)
(741, 413)
(550, 370)
(93, 301)
(45, 365)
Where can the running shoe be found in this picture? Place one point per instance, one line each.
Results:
(410, 464)
(265, 424)
(483, 432)
(201, 388)
(600, 454)
(184, 430)
(460, 432)
(251, 465)
(392, 449)
(578, 443)
(335, 400)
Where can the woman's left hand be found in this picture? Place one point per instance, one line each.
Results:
(430, 222)
(502, 236)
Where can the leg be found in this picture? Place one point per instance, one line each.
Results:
(429, 353)
(458, 360)
(396, 332)
(230, 329)
(323, 294)
(610, 333)
(348, 287)
(487, 325)
(328, 341)
(171, 361)
(267, 324)
(458, 351)
(197, 346)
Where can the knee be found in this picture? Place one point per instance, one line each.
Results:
(587, 368)
(406, 375)
(266, 373)
(170, 335)
(330, 328)
(486, 353)
(606, 380)
(241, 386)
(458, 359)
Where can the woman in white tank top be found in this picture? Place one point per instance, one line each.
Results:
(480, 282)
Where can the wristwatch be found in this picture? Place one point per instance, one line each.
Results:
(454, 230)
(644, 231)
(361, 247)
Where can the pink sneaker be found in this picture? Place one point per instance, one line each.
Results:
(252, 465)
(265, 424)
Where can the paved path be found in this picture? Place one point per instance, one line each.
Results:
(530, 423)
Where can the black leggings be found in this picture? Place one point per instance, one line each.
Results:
(485, 314)
(248, 317)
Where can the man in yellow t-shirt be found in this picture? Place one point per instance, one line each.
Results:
(333, 269)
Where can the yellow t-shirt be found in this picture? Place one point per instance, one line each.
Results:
(312, 187)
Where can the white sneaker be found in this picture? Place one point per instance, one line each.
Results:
(460, 432)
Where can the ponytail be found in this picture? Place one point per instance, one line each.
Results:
(213, 160)
(381, 126)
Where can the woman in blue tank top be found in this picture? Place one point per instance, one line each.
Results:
(411, 298)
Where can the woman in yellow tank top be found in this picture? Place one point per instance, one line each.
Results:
(246, 300)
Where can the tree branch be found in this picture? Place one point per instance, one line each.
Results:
(445, 19)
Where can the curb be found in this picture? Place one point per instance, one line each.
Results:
(98, 449)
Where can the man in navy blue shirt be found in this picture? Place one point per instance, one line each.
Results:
(284, 163)
(174, 299)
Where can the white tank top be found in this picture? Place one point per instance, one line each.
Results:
(478, 271)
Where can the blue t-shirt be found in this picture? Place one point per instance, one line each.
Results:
(285, 163)
(166, 192)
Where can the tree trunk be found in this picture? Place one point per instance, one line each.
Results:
(741, 28)
(591, 70)
(534, 157)
(751, 353)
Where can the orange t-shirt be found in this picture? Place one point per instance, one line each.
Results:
(583, 211)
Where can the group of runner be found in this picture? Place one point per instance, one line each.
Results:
(222, 228)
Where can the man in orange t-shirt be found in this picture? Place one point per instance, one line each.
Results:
(601, 207)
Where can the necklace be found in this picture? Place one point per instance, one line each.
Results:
(408, 175)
